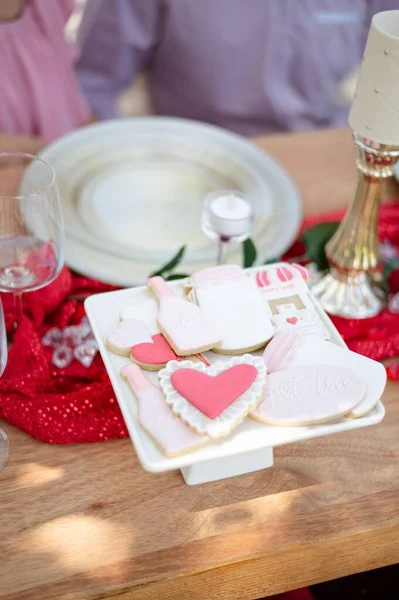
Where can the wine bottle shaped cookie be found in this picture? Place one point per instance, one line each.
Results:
(170, 434)
(234, 302)
(186, 326)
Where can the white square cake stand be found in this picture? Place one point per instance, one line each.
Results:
(250, 446)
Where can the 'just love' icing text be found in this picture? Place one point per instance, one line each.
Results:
(295, 387)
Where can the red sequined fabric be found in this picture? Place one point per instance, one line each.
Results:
(77, 404)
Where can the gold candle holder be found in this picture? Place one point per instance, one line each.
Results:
(351, 288)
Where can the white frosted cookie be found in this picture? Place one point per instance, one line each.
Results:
(234, 302)
(128, 334)
(294, 350)
(146, 311)
(308, 395)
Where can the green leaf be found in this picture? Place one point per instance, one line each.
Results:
(177, 276)
(315, 240)
(169, 266)
(388, 267)
(270, 261)
(249, 253)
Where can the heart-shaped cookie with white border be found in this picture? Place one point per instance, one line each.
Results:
(213, 400)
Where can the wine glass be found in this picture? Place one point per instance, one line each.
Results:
(4, 444)
(31, 226)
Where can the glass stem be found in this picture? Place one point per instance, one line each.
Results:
(18, 309)
(222, 252)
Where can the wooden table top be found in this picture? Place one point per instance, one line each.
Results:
(82, 522)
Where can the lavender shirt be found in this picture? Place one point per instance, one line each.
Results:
(252, 66)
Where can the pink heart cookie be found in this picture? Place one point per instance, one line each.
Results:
(153, 354)
(213, 400)
(211, 395)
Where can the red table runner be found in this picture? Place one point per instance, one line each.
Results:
(77, 404)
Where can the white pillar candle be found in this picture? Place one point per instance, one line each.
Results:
(230, 215)
(374, 113)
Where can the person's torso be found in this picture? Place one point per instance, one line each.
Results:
(39, 94)
(257, 65)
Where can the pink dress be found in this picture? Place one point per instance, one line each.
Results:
(39, 94)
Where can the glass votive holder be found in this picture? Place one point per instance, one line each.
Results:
(227, 218)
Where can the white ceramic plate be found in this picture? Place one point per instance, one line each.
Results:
(132, 192)
(103, 311)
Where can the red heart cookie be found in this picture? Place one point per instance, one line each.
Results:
(157, 353)
(212, 395)
(292, 320)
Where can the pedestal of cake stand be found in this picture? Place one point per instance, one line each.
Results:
(228, 466)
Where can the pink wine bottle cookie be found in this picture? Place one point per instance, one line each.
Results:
(214, 400)
(187, 328)
(234, 302)
(171, 435)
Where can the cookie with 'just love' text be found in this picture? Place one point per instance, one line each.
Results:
(310, 394)
(287, 350)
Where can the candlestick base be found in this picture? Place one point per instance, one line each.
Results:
(353, 296)
(351, 289)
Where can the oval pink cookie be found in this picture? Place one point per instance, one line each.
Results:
(307, 395)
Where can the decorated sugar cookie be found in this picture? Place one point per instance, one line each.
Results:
(187, 328)
(128, 334)
(309, 394)
(297, 313)
(171, 435)
(279, 352)
(294, 350)
(133, 338)
(213, 400)
(153, 355)
(283, 276)
(146, 311)
(234, 302)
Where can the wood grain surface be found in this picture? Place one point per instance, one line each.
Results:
(82, 522)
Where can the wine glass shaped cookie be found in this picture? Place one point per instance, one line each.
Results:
(187, 328)
(234, 302)
(133, 338)
(213, 400)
